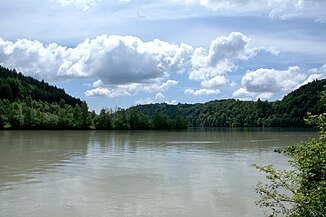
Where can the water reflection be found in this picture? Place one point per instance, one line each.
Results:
(136, 173)
(24, 153)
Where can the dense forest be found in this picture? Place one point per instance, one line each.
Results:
(288, 112)
(26, 103)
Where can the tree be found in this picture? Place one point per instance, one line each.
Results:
(138, 120)
(120, 119)
(77, 117)
(85, 117)
(300, 191)
(103, 120)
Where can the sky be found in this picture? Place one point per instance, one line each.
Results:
(128, 52)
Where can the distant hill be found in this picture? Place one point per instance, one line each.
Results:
(288, 112)
(305, 99)
(14, 86)
(26, 103)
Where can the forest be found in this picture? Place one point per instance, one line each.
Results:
(26, 103)
(288, 112)
(29, 104)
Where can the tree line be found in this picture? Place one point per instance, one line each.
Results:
(38, 115)
(26, 103)
(288, 112)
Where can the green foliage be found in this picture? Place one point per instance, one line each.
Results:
(300, 191)
(15, 86)
(103, 120)
(235, 113)
(26, 103)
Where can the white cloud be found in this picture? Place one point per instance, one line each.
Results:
(151, 100)
(146, 101)
(112, 60)
(265, 83)
(223, 52)
(125, 65)
(159, 96)
(98, 83)
(129, 89)
(215, 82)
(242, 93)
(271, 80)
(201, 92)
(98, 92)
(172, 102)
(168, 84)
(314, 74)
(104, 92)
(283, 9)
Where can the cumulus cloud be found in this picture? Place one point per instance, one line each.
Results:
(126, 64)
(115, 61)
(101, 89)
(314, 74)
(210, 66)
(104, 92)
(98, 83)
(221, 56)
(97, 92)
(283, 9)
(201, 92)
(271, 80)
(215, 82)
(168, 84)
(243, 93)
(265, 83)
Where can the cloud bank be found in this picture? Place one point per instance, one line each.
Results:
(116, 62)
(282, 9)
(127, 66)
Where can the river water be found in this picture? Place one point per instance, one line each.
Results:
(192, 173)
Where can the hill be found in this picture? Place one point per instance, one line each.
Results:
(26, 103)
(288, 112)
(15, 86)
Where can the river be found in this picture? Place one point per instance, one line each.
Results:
(192, 173)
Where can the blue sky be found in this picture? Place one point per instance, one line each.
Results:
(126, 52)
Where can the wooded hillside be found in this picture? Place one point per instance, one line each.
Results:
(288, 112)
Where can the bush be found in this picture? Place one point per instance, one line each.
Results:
(300, 191)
